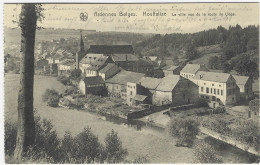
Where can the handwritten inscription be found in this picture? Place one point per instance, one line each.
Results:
(159, 17)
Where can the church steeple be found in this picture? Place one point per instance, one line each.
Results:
(81, 42)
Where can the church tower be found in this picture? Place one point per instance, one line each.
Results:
(81, 51)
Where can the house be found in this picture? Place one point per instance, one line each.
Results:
(190, 70)
(142, 91)
(95, 86)
(57, 58)
(172, 70)
(41, 63)
(117, 85)
(97, 65)
(218, 88)
(108, 71)
(122, 55)
(245, 85)
(66, 66)
(87, 61)
(51, 68)
(144, 66)
(175, 90)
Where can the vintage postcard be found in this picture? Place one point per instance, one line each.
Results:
(131, 83)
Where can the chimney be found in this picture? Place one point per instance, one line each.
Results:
(201, 76)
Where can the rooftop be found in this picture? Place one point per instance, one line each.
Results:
(168, 83)
(212, 76)
(107, 67)
(192, 68)
(93, 80)
(149, 82)
(124, 57)
(125, 76)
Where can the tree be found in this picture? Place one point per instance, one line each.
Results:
(184, 129)
(26, 124)
(191, 52)
(205, 153)
(52, 97)
(114, 149)
(75, 74)
(88, 147)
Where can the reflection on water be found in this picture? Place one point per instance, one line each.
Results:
(229, 153)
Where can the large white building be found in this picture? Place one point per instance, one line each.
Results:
(218, 88)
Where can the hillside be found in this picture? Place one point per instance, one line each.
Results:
(206, 52)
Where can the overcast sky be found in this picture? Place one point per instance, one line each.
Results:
(68, 16)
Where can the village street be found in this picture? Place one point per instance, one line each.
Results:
(139, 143)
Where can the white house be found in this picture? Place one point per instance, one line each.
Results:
(190, 70)
(218, 88)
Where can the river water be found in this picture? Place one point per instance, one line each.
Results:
(228, 153)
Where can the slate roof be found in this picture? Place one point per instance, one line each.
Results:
(149, 82)
(140, 97)
(241, 80)
(124, 57)
(93, 80)
(125, 76)
(168, 83)
(107, 67)
(98, 64)
(212, 76)
(68, 62)
(90, 58)
(191, 68)
(111, 49)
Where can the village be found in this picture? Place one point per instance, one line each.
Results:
(115, 71)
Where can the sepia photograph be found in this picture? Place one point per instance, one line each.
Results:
(130, 83)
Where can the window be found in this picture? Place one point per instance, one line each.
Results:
(221, 92)
(214, 91)
(202, 96)
(219, 85)
(218, 99)
(211, 90)
(94, 58)
(204, 83)
(218, 91)
(134, 87)
(131, 93)
(213, 98)
(213, 85)
(228, 84)
(207, 90)
(207, 97)
(202, 89)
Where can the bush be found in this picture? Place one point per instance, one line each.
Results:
(205, 153)
(184, 129)
(75, 74)
(64, 80)
(201, 102)
(114, 149)
(51, 96)
(248, 132)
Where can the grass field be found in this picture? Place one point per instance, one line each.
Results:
(139, 143)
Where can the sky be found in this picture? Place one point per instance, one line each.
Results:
(142, 18)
